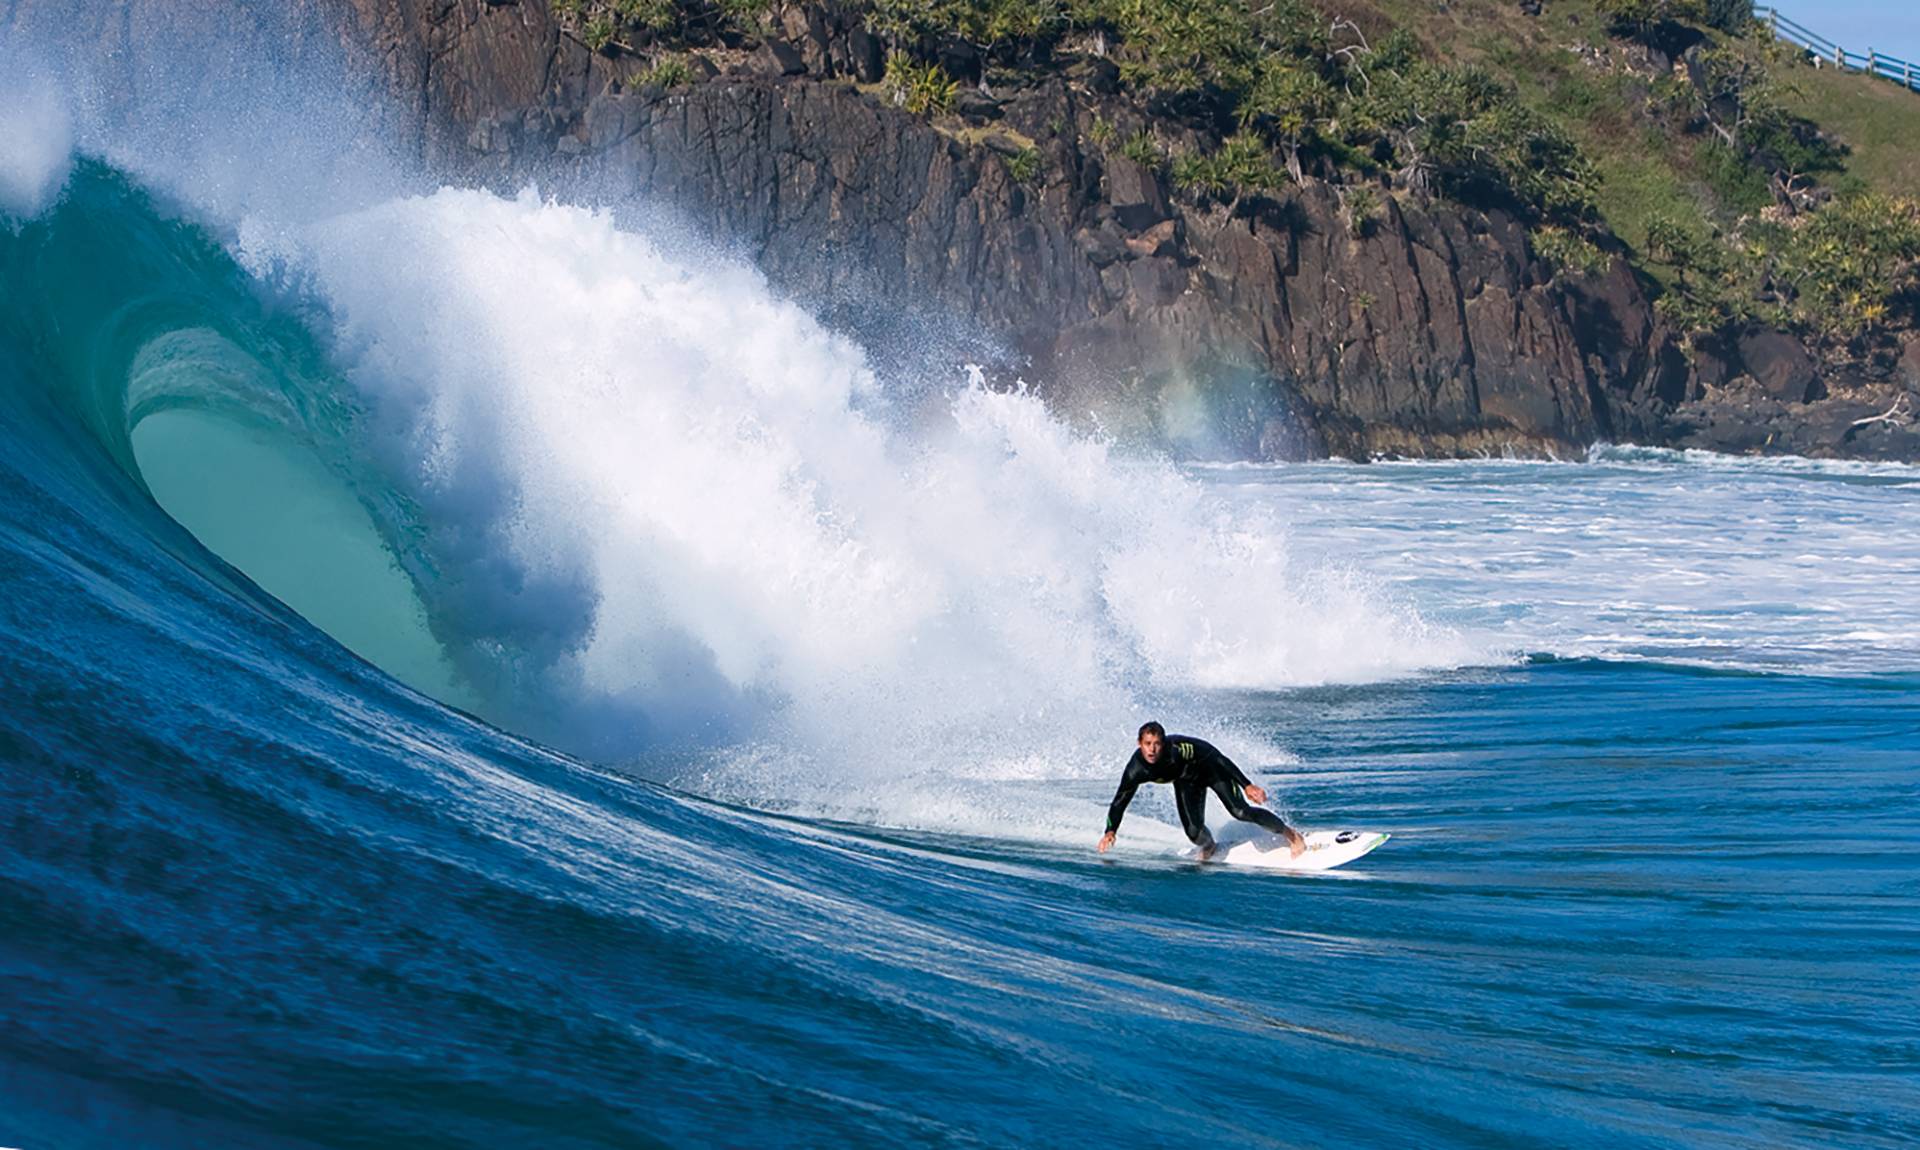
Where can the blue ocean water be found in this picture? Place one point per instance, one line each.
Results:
(1646, 731)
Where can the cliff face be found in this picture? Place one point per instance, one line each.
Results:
(1272, 327)
(1267, 330)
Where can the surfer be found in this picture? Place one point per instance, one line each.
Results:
(1193, 766)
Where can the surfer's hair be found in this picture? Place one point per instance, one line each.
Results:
(1150, 728)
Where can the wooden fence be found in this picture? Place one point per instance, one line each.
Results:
(1825, 51)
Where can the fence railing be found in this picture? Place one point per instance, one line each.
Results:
(1825, 51)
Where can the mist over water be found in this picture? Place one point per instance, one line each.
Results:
(36, 139)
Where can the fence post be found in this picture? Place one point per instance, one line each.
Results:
(1873, 63)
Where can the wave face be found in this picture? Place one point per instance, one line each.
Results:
(259, 893)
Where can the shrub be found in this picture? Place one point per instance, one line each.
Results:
(1833, 275)
(1294, 82)
(601, 24)
(1291, 103)
(669, 72)
(1707, 291)
(922, 89)
(1177, 46)
(1735, 182)
(1649, 20)
(745, 15)
(1361, 204)
(1024, 166)
(987, 24)
(1731, 16)
(1240, 165)
(598, 33)
(1568, 250)
(648, 15)
(1848, 267)
(1461, 132)
(1141, 149)
(1680, 247)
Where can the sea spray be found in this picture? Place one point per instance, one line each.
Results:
(36, 140)
(661, 511)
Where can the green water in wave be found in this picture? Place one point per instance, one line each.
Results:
(216, 397)
(267, 505)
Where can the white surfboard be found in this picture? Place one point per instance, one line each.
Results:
(1325, 849)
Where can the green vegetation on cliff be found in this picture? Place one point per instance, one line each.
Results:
(1744, 185)
(1727, 163)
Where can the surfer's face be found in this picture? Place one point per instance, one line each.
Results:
(1150, 745)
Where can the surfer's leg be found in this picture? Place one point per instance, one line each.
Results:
(1190, 797)
(1240, 808)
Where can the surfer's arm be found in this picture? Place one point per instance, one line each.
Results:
(1129, 782)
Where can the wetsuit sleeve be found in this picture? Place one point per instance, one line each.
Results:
(1130, 780)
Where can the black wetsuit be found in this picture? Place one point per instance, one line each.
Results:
(1192, 766)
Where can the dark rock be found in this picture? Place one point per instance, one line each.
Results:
(1907, 368)
(490, 134)
(701, 67)
(1100, 75)
(960, 60)
(805, 28)
(1103, 244)
(1159, 240)
(1780, 366)
(1135, 193)
(1002, 143)
(779, 58)
(974, 105)
(1713, 363)
(868, 56)
(1157, 281)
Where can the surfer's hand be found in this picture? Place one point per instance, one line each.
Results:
(1255, 794)
(1106, 840)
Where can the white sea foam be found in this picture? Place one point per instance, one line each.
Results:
(1772, 564)
(36, 140)
(668, 506)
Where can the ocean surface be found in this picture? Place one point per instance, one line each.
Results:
(470, 677)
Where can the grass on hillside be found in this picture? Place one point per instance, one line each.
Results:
(1877, 119)
(1647, 171)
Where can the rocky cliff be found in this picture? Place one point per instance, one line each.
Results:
(1274, 326)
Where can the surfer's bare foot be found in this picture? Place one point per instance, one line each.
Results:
(1295, 843)
(1206, 852)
